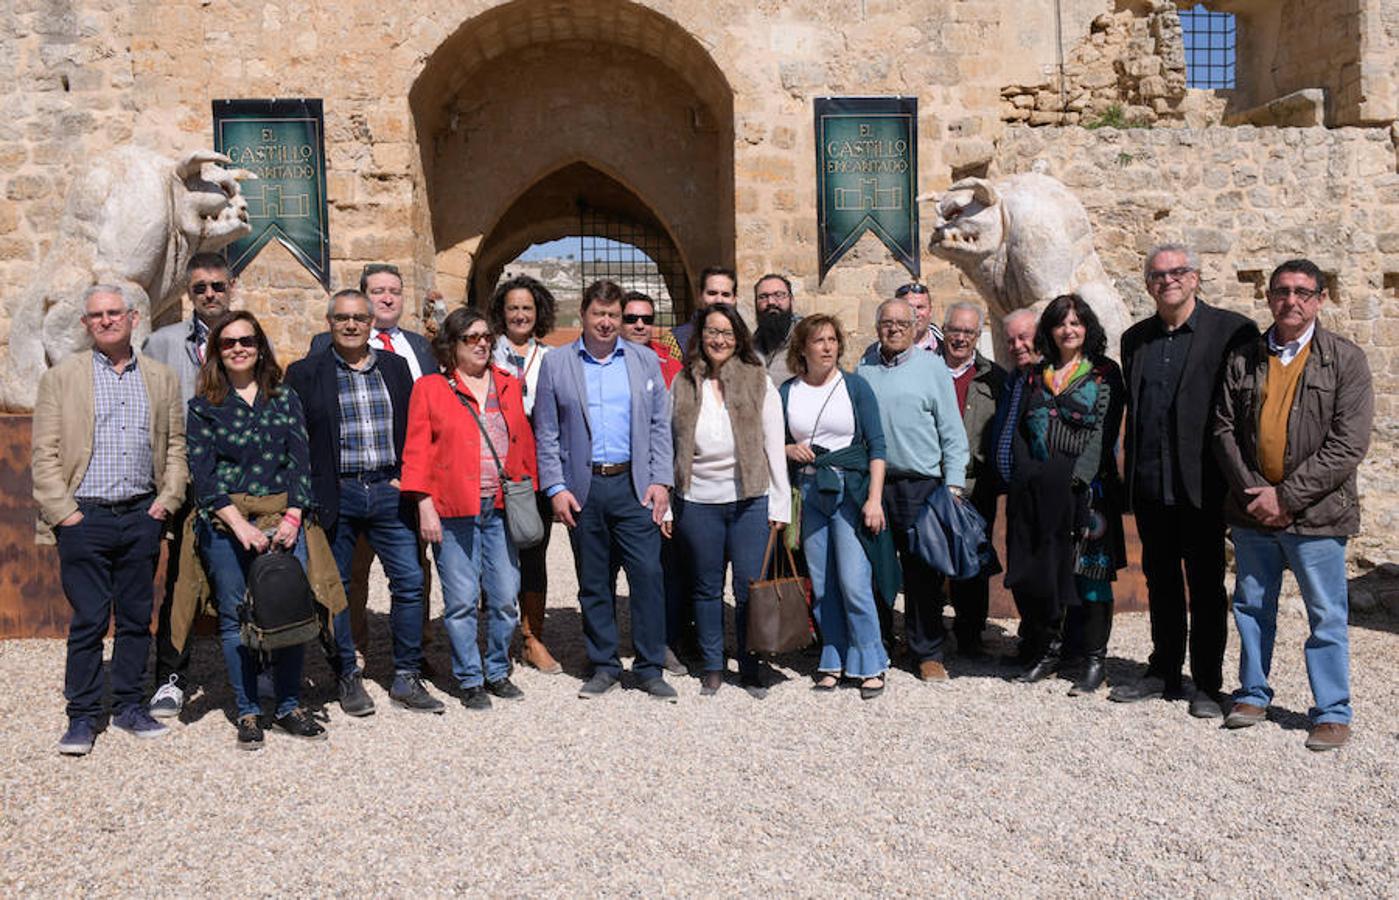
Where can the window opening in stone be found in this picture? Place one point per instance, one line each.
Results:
(633, 255)
(1210, 45)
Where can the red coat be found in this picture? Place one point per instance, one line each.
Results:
(442, 453)
(670, 366)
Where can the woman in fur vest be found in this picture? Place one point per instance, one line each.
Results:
(730, 480)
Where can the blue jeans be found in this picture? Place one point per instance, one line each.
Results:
(227, 564)
(1319, 563)
(712, 536)
(107, 563)
(843, 601)
(477, 556)
(378, 511)
(613, 521)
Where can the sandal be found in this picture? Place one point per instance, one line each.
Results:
(871, 687)
(825, 681)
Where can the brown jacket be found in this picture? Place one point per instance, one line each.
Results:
(63, 431)
(745, 388)
(983, 395)
(1328, 432)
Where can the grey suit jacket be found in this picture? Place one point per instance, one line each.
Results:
(563, 435)
(174, 345)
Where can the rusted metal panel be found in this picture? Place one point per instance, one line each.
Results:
(31, 596)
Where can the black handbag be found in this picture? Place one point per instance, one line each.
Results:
(779, 607)
(522, 519)
(278, 609)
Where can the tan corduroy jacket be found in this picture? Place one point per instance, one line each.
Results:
(63, 432)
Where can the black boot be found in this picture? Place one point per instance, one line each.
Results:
(1048, 662)
(1097, 626)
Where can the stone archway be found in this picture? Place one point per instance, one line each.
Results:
(534, 105)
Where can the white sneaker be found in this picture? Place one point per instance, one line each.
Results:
(168, 700)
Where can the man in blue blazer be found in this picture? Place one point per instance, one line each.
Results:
(356, 405)
(602, 429)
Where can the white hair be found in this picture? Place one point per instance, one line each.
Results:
(1192, 259)
(969, 307)
(115, 290)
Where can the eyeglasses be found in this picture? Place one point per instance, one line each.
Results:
(962, 332)
(895, 324)
(474, 338)
(346, 318)
(719, 334)
(633, 318)
(773, 295)
(1301, 293)
(1159, 275)
(200, 287)
(911, 288)
(105, 315)
(243, 340)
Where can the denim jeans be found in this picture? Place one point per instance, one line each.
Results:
(843, 601)
(378, 511)
(1319, 563)
(227, 564)
(107, 563)
(713, 535)
(476, 556)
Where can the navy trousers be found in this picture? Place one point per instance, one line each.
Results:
(613, 521)
(107, 565)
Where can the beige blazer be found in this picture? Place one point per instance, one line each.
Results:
(62, 437)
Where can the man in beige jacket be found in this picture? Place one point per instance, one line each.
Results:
(109, 469)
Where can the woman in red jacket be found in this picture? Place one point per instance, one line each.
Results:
(455, 474)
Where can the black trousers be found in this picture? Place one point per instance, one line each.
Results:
(1176, 538)
(971, 598)
(107, 562)
(923, 629)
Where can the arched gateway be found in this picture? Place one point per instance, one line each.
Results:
(534, 109)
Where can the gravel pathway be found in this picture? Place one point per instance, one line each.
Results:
(974, 787)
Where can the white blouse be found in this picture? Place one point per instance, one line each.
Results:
(714, 474)
(832, 428)
(528, 371)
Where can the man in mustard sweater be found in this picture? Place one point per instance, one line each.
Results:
(1292, 425)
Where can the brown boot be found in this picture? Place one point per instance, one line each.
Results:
(533, 652)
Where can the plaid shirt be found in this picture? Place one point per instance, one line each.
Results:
(121, 466)
(366, 418)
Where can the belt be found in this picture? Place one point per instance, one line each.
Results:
(373, 476)
(611, 468)
(140, 501)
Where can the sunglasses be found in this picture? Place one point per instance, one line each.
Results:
(914, 288)
(201, 287)
(633, 318)
(471, 340)
(243, 340)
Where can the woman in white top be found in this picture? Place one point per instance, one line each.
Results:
(522, 313)
(836, 445)
(730, 480)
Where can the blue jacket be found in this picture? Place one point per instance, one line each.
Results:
(563, 435)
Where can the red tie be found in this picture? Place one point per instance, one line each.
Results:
(387, 340)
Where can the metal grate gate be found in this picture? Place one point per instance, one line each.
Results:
(634, 256)
(1210, 44)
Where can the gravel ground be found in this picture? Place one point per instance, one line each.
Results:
(975, 787)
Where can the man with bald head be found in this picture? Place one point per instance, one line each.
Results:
(109, 469)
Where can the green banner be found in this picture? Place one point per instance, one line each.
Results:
(282, 142)
(867, 176)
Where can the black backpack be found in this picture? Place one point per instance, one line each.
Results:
(279, 608)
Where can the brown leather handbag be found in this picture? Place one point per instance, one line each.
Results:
(779, 607)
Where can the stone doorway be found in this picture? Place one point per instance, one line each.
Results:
(534, 108)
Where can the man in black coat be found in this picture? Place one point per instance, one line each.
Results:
(1172, 363)
(355, 400)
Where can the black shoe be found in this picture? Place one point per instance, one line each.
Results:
(874, 690)
(475, 698)
(821, 685)
(710, 682)
(1044, 667)
(1207, 705)
(505, 689)
(1150, 687)
(754, 685)
(658, 689)
(354, 699)
(299, 724)
(673, 665)
(595, 687)
(1093, 675)
(408, 692)
(249, 733)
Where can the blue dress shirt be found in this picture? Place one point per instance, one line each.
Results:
(609, 404)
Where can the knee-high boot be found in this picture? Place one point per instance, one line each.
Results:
(1097, 626)
(1052, 644)
(533, 651)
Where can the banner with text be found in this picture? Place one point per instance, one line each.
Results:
(867, 176)
(282, 142)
